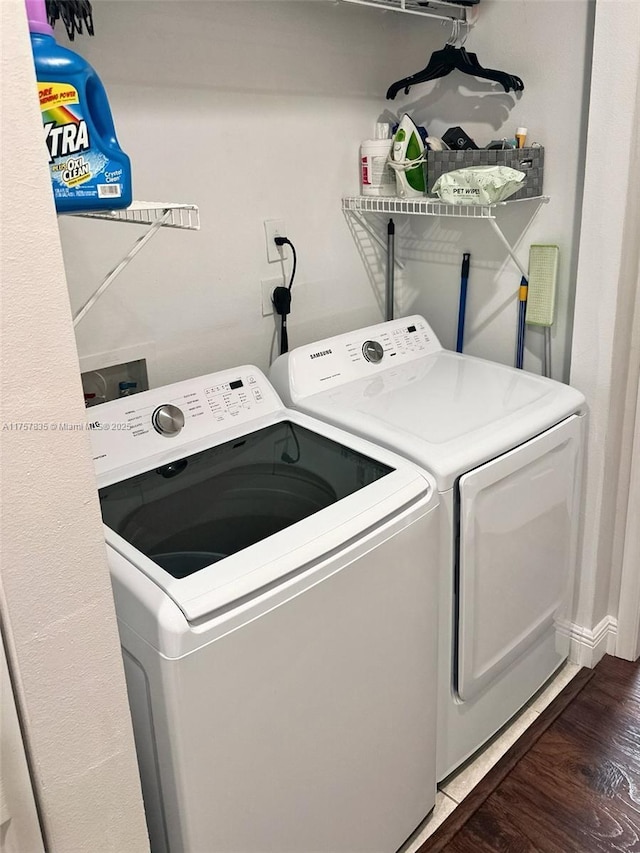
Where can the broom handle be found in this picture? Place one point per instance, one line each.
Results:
(462, 306)
(391, 259)
(522, 308)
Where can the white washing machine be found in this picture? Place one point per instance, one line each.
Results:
(505, 449)
(275, 583)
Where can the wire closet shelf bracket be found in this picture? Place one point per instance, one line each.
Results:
(153, 214)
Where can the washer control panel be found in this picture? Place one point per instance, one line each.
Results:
(336, 361)
(141, 425)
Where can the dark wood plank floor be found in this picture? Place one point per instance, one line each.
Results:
(577, 789)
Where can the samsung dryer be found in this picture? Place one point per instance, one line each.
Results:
(505, 449)
(271, 576)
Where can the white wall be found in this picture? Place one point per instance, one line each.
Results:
(244, 110)
(56, 610)
(256, 110)
(547, 44)
(605, 360)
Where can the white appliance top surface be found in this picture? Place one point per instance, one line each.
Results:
(446, 411)
(226, 415)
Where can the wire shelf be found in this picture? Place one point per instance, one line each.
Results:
(184, 216)
(438, 9)
(428, 207)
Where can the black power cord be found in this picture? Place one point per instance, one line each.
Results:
(281, 297)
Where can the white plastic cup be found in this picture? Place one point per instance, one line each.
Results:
(376, 176)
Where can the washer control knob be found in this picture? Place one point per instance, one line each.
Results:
(168, 419)
(372, 351)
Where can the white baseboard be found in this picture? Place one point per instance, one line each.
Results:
(589, 645)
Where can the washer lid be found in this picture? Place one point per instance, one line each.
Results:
(226, 521)
(212, 490)
(447, 412)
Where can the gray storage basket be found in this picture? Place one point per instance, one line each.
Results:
(527, 160)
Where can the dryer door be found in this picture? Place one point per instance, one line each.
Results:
(518, 526)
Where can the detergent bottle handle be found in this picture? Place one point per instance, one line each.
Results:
(100, 110)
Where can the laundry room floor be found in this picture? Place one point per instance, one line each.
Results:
(453, 790)
(570, 785)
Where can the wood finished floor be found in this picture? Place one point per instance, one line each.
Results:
(577, 789)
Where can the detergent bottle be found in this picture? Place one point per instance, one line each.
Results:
(89, 170)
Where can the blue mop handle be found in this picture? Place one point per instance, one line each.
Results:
(464, 281)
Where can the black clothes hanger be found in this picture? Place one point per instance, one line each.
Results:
(439, 65)
(72, 13)
(489, 73)
(449, 58)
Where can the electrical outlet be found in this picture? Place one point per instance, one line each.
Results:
(268, 286)
(274, 228)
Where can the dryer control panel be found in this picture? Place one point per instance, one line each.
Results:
(344, 358)
(141, 425)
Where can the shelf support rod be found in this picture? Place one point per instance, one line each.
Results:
(373, 234)
(115, 272)
(508, 247)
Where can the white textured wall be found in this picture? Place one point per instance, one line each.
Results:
(547, 44)
(255, 110)
(607, 293)
(56, 605)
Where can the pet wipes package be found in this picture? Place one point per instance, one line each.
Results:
(478, 185)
